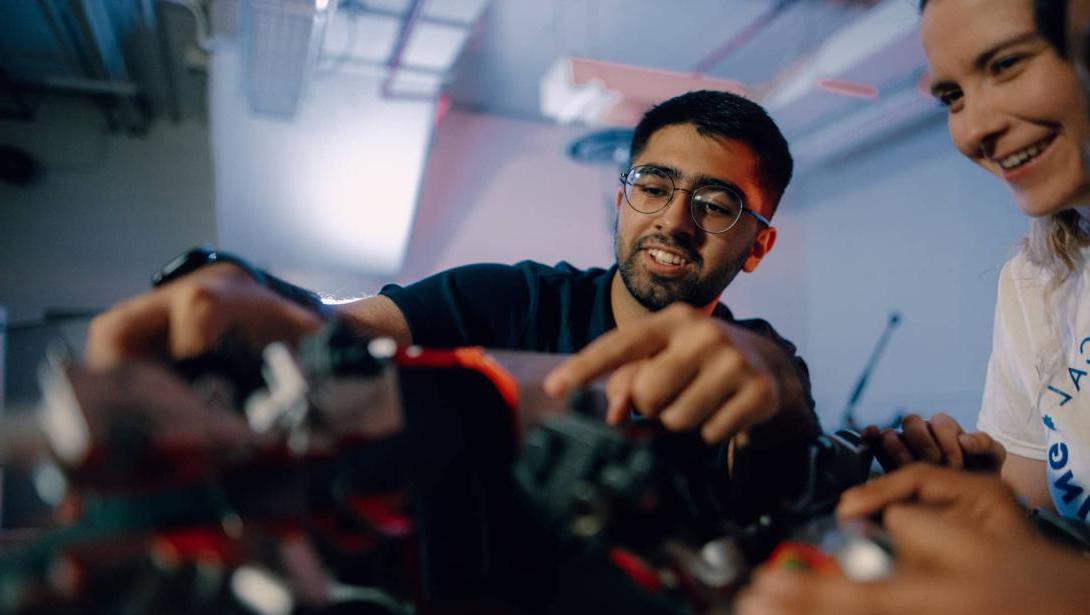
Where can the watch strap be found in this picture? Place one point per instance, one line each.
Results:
(193, 259)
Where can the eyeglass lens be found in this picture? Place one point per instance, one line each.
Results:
(714, 208)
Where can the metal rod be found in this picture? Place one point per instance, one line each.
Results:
(165, 92)
(162, 38)
(104, 40)
(127, 89)
(66, 43)
(400, 44)
(847, 417)
(381, 12)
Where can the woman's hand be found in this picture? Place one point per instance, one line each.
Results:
(938, 441)
(962, 544)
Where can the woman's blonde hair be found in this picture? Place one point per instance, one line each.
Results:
(1056, 243)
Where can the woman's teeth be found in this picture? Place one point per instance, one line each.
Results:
(1021, 157)
(666, 258)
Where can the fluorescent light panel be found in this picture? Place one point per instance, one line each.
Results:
(282, 40)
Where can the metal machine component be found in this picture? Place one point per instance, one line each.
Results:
(405, 480)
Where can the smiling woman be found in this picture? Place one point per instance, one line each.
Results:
(1013, 103)
(962, 542)
(1015, 108)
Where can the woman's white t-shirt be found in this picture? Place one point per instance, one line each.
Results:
(1037, 393)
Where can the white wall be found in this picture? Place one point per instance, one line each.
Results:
(110, 210)
(501, 189)
(914, 227)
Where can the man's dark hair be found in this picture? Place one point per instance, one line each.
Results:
(722, 114)
(1051, 18)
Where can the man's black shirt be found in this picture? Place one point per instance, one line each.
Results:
(527, 306)
(534, 307)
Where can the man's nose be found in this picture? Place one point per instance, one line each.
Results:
(677, 217)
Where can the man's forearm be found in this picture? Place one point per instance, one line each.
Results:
(377, 316)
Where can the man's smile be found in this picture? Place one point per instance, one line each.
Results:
(665, 263)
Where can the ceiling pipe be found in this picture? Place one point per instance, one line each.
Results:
(882, 26)
(734, 43)
(125, 89)
(384, 12)
(110, 59)
(85, 34)
(416, 9)
(149, 17)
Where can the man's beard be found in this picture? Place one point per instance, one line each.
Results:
(655, 292)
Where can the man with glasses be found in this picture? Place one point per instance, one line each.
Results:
(708, 171)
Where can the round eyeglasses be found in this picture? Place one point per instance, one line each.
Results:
(715, 208)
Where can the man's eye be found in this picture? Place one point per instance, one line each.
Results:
(651, 190)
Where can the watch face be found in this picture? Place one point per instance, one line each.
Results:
(183, 264)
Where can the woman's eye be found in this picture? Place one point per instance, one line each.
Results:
(1005, 64)
(947, 98)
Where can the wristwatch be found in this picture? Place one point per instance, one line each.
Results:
(193, 259)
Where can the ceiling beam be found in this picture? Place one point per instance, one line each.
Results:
(875, 31)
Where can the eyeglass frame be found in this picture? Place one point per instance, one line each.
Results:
(674, 189)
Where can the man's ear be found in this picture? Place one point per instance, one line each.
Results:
(617, 202)
(762, 245)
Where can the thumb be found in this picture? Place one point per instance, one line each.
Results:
(982, 445)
